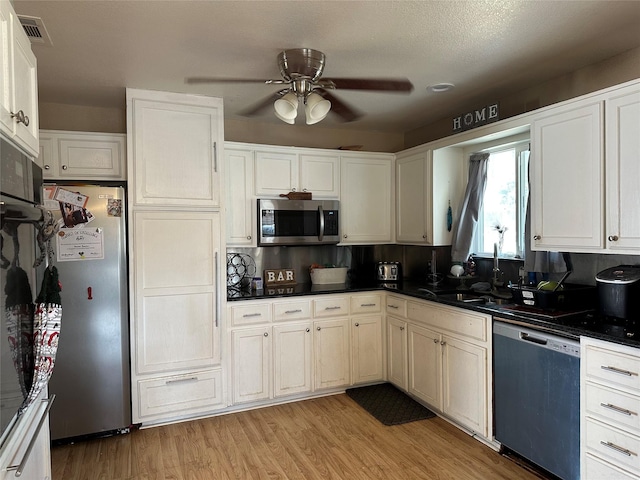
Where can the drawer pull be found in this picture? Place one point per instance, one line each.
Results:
(618, 449)
(181, 380)
(333, 308)
(367, 304)
(393, 306)
(618, 409)
(248, 315)
(617, 370)
(289, 312)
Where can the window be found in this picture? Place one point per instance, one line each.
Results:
(502, 217)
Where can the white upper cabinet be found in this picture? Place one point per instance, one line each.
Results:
(18, 82)
(585, 170)
(286, 169)
(567, 189)
(241, 200)
(622, 143)
(168, 130)
(366, 199)
(82, 155)
(428, 182)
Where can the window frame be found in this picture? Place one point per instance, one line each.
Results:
(520, 145)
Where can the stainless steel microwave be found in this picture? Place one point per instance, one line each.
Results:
(298, 222)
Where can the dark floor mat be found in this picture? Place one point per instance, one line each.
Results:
(389, 405)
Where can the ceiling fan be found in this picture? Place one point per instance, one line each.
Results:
(301, 70)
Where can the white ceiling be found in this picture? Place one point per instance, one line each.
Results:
(488, 49)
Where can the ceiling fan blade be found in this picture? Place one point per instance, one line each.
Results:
(340, 108)
(380, 84)
(262, 105)
(198, 80)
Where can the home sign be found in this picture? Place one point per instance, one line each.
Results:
(476, 118)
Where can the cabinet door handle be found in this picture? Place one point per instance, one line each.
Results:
(443, 343)
(435, 340)
(217, 313)
(215, 157)
(613, 238)
(181, 380)
(289, 312)
(25, 458)
(357, 324)
(333, 308)
(47, 167)
(248, 237)
(393, 306)
(618, 448)
(64, 167)
(537, 237)
(249, 315)
(266, 334)
(401, 328)
(20, 117)
(618, 409)
(318, 328)
(618, 371)
(308, 330)
(367, 304)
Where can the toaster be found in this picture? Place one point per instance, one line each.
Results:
(389, 271)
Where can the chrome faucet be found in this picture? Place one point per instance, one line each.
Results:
(497, 274)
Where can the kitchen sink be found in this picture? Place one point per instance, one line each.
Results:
(485, 299)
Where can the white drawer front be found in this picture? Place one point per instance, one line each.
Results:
(396, 306)
(250, 313)
(180, 394)
(600, 470)
(613, 406)
(614, 368)
(291, 310)
(455, 320)
(331, 307)
(366, 303)
(613, 445)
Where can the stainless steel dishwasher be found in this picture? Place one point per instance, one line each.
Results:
(537, 397)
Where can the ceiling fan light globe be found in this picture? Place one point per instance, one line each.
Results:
(290, 121)
(286, 107)
(316, 108)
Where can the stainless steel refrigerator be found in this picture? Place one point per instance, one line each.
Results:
(91, 378)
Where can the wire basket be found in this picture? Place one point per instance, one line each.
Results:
(241, 268)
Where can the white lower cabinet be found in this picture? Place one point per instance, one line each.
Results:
(292, 358)
(297, 346)
(441, 355)
(194, 391)
(425, 365)
(251, 351)
(332, 351)
(609, 410)
(397, 352)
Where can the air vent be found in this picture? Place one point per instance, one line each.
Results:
(35, 30)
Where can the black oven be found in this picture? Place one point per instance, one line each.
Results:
(20, 215)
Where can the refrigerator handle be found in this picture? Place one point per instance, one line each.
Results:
(217, 313)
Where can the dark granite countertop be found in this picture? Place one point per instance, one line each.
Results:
(440, 294)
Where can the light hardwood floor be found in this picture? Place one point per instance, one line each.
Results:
(324, 438)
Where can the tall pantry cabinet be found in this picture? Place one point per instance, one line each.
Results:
(177, 254)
